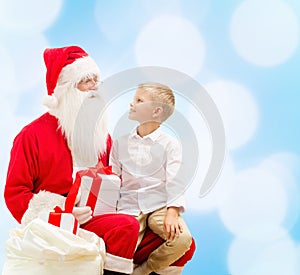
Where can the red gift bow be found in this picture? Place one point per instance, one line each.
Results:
(101, 169)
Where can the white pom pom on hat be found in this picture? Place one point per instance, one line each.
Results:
(50, 101)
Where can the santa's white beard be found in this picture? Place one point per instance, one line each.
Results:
(83, 123)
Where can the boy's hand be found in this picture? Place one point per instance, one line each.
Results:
(172, 227)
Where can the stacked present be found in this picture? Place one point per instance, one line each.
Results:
(100, 189)
(65, 221)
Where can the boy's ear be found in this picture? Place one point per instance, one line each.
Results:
(158, 111)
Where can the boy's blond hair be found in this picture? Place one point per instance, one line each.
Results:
(162, 96)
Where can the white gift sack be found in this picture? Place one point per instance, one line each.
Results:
(44, 249)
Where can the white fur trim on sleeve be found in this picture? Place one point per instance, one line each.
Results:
(42, 202)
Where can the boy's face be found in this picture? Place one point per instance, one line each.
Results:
(142, 108)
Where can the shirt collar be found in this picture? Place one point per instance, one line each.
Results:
(153, 136)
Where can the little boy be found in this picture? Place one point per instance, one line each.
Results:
(148, 162)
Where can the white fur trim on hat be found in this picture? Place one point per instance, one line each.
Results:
(78, 70)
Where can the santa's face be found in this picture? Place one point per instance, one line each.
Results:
(88, 83)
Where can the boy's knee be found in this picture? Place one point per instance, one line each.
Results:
(183, 242)
(154, 222)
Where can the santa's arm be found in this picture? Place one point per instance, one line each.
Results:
(19, 194)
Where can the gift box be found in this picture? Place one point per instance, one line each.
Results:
(65, 221)
(63, 218)
(100, 191)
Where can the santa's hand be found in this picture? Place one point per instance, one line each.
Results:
(82, 214)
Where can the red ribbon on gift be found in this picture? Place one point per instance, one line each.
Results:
(55, 217)
(93, 173)
(93, 195)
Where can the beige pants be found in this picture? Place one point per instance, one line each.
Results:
(170, 251)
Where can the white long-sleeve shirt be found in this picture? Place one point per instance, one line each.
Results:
(150, 169)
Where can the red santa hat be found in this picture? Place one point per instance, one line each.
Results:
(66, 65)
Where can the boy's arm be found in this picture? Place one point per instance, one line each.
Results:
(176, 180)
(175, 187)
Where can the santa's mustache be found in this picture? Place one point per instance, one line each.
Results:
(92, 105)
(93, 94)
(88, 94)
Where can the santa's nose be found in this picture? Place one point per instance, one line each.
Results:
(93, 84)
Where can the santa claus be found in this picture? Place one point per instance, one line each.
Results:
(46, 151)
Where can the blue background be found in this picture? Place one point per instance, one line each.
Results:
(110, 31)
